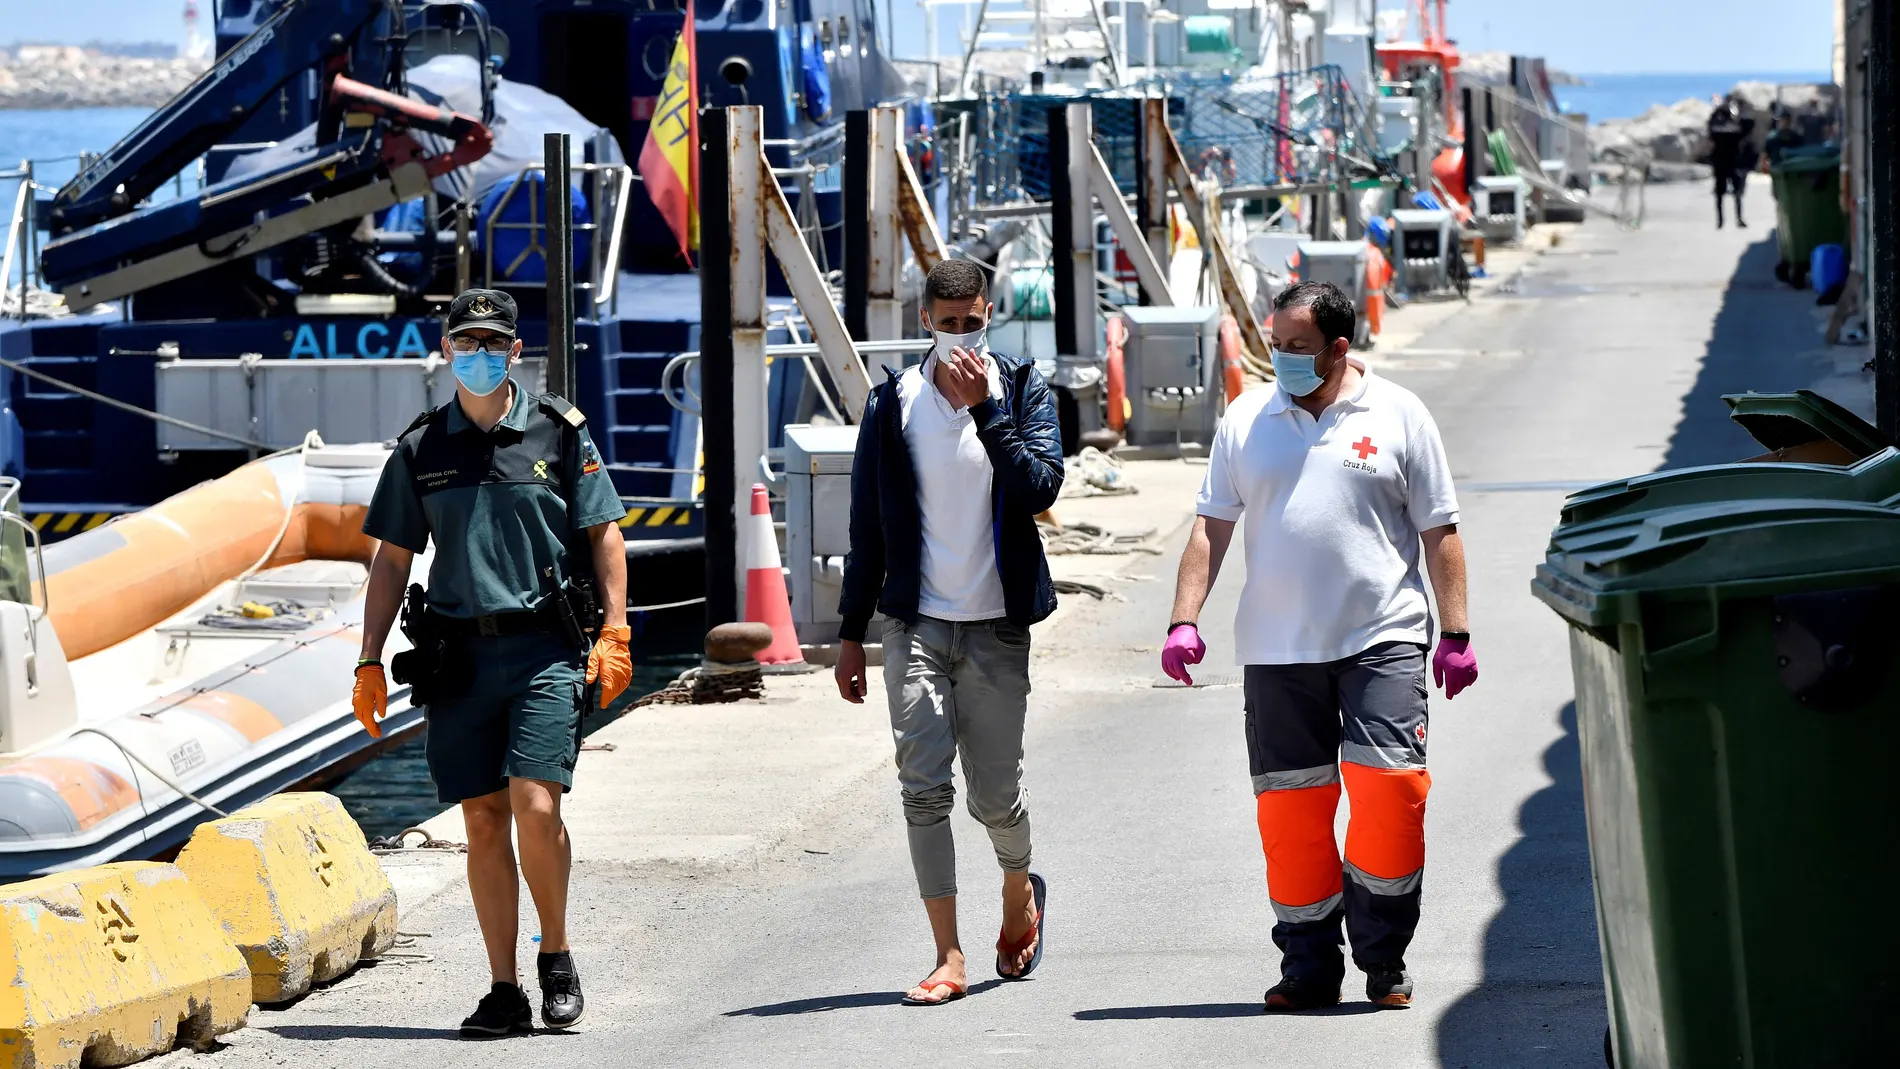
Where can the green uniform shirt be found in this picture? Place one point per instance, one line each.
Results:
(507, 509)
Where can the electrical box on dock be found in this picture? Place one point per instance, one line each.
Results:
(817, 524)
(1343, 263)
(1423, 243)
(1169, 363)
(1499, 207)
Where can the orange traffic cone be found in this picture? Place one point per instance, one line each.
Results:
(766, 601)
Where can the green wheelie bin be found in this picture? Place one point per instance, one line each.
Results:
(1735, 679)
(1807, 210)
(1815, 447)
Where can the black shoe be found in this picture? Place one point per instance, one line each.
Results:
(1389, 986)
(503, 1010)
(561, 1001)
(1742, 224)
(1294, 993)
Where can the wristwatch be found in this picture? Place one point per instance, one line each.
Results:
(1462, 636)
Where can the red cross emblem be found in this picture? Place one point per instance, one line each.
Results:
(1364, 448)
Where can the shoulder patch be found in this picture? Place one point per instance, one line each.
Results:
(559, 408)
(419, 421)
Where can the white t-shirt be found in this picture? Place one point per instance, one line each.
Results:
(1333, 507)
(960, 579)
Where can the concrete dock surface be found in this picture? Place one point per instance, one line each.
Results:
(742, 894)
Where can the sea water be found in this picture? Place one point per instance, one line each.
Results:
(1625, 96)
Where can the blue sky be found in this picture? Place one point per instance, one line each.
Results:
(1593, 36)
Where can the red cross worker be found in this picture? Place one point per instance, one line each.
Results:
(1344, 481)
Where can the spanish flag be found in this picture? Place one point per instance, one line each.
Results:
(669, 161)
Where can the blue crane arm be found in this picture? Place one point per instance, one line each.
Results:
(302, 35)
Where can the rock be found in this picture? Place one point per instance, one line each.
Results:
(737, 643)
(1101, 438)
(1494, 68)
(1678, 133)
(67, 77)
(1670, 133)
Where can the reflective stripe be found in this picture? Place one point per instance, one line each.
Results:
(1318, 911)
(1379, 885)
(1294, 779)
(1380, 756)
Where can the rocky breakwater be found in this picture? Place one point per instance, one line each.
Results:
(1675, 136)
(39, 76)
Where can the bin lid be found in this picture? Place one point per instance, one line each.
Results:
(1778, 421)
(1785, 420)
(1796, 162)
(1746, 547)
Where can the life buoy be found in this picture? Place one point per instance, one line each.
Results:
(1230, 368)
(1119, 410)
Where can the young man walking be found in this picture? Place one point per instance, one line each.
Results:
(509, 487)
(1342, 478)
(955, 458)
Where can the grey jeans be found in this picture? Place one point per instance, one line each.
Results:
(959, 688)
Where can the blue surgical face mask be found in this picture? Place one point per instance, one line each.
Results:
(1294, 372)
(482, 371)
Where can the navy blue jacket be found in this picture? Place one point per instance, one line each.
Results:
(884, 569)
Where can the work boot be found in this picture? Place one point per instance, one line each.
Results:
(1389, 986)
(503, 1010)
(561, 1001)
(1300, 993)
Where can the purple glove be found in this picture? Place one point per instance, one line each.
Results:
(1184, 647)
(1454, 666)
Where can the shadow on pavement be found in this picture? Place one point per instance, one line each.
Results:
(1211, 1010)
(1542, 990)
(323, 1033)
(827, 1003)
(1755, 343)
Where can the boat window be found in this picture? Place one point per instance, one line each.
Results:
(844, 30)
(824, 32)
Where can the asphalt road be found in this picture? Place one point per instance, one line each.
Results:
(1607, 359)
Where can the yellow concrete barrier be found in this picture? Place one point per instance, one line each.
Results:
(109, 965)
(296, 889)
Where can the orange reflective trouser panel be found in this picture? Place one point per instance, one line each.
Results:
(1359, 722)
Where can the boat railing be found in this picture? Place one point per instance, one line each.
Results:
(22, 242)
(610, 194)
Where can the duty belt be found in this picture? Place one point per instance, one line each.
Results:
(497, 625)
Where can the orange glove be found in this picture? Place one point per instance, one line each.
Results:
(611, 663)
(370, 697)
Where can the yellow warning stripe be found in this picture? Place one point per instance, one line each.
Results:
(658, 516)
(67, 522)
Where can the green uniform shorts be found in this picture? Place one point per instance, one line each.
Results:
(519, 718)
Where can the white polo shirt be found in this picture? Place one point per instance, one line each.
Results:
(1333, 508)
(960, 580)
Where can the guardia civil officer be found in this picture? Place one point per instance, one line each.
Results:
(509, 487)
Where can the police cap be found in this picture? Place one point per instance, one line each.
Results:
(482, 310)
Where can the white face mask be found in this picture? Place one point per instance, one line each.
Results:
(976, 341)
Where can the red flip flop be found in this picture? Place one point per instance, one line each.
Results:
(957, 991)
(1008, 947)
